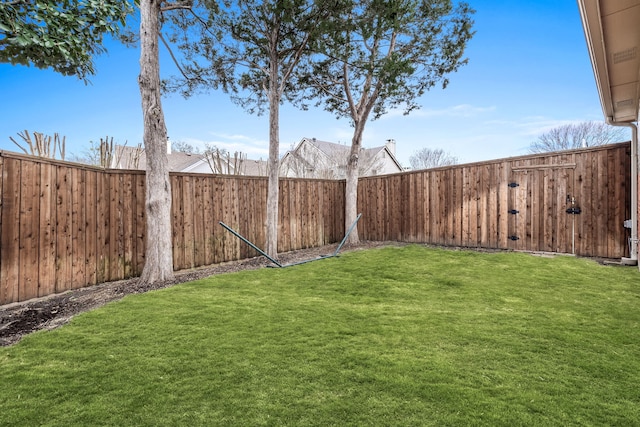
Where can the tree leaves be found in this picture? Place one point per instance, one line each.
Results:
(62, 35)
(393, 51)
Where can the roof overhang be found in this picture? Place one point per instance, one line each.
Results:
(612, 31)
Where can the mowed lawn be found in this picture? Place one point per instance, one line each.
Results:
(387, 337)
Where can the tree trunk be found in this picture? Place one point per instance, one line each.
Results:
(351, 188)
(273, 165)
(158, 264)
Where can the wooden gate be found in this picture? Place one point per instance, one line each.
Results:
(539, 197)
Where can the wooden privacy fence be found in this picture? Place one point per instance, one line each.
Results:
(518, 203)
(65, 226)
(311, 213)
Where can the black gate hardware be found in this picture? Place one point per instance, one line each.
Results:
(514, 184)
(513, 211)
(574, 211)
(514, 238)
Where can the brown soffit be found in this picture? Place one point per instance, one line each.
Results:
(612, 32)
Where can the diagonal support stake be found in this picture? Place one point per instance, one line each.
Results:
(346, 236)
(335, 254)
(235, 233)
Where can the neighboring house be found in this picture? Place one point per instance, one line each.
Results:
(254, 167)
(312, 158)
(612, 31)
(135, 158)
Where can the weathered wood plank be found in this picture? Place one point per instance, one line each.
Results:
(583, 195)
(548, 210)
(465, 199)
(446, 208)
(303, 200)
(64, 249)
(483, 207)
(383, 199)
(188, 194)
(128, 225)
(91, 227)
(232, 202)
(459, 208)
(474, 183)
(208, 218)
(47, 236)
(535, 215)
(103, 205)
(565, 225)
(177, 213)
(284, 218)
(426, 206)
(520, 204)
(116, 229)
(10, 237)
(602, 203)
(315, 233)
(78, 225)
(492, 206)
(29, 230)
(434, 226)
(220, 234)
(140, 228)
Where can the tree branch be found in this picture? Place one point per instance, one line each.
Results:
(184, 4)
(202, 22)
(294, 61)
(175, 60)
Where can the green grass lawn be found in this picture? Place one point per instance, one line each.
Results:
(394, 336)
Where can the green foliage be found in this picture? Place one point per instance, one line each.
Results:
(247, 48)
(385, 54)
(250, 49)
(63, 35)
(397, 336)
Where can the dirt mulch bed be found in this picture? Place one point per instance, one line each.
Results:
(20, 319)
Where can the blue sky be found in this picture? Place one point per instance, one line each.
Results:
(528, 71)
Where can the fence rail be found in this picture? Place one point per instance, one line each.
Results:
(65, 226)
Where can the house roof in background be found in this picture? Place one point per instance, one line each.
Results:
(181, 162)
(255, 167)
(332, 149)
(178, 161)
(329, 148)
